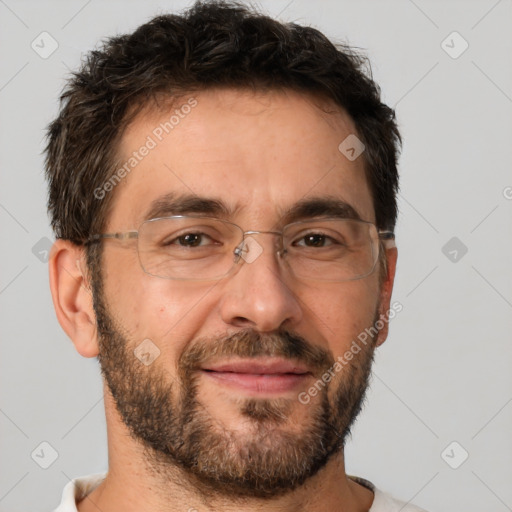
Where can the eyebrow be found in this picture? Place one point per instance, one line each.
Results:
(321, 206)
(306, 208)
(183, 204)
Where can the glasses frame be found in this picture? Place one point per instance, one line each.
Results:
(386, 237)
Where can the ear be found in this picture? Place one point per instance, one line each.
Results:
(385, 293)
(72, 296)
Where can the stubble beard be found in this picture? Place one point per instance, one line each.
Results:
(180, 436)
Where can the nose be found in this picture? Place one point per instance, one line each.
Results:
(259, 294)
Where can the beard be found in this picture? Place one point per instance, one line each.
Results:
(273, 454)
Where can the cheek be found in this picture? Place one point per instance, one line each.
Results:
(147, 306)
(164, 311)
(342, 311)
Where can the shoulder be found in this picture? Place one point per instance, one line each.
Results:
(384, 502)
(77, 489)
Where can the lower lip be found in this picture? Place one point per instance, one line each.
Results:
(267, 383)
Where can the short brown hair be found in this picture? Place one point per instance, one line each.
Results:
(212, 44)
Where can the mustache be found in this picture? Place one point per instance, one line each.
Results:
(251, 343)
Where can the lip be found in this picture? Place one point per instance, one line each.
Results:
(261, 375)
(261, 366)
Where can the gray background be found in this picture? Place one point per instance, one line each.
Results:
(444, 373)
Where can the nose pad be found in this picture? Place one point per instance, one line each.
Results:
(237, 253)
(250, 249)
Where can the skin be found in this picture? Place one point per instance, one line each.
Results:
(281, 148)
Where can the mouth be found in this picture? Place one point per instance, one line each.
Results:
(259, 375)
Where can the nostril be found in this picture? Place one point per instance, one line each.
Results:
(241, 321)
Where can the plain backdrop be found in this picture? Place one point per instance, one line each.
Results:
(437, 423)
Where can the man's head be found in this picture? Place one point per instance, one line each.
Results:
(225, 114)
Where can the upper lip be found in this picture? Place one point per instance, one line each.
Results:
(263, 366)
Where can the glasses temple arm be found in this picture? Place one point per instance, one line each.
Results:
(388, 238)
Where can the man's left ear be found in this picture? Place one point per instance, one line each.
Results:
(385, 293)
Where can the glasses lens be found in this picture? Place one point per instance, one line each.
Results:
(188, 247)
(331, 249)
(203, 248)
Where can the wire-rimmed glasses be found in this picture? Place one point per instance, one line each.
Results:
(199, 248)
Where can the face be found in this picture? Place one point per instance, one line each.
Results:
(221, 393)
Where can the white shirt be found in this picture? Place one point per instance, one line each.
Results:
(78, 488)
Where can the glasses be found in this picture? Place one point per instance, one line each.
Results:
(191, 248)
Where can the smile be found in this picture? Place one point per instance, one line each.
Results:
(262, 375)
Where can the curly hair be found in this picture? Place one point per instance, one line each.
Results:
(210, 45)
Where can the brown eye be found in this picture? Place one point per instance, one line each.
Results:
(315, 240)
(197, 239)
(190, 240)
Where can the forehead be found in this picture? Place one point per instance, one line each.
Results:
(256, 154)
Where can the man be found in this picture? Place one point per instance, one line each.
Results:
(223, 192)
